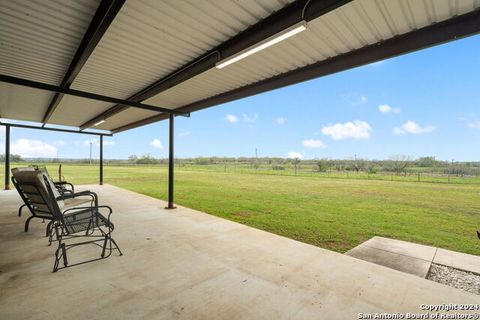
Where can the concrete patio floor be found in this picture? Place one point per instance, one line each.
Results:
(185, 264)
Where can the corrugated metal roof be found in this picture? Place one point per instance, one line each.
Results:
(74, 111)
(22, 103)
(37, 42)
(128, 116)
(151, 38)
(39, 38)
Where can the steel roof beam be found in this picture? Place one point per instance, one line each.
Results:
(275, 23)
(445, 31)
(24, 126)
(87, 95)
(104, 16)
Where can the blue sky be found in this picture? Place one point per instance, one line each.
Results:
(421, 104)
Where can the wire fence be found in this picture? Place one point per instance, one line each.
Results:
(414, 174)
(409, 175)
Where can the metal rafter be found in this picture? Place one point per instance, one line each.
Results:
(445, 31)
(24, 126)
(104, 16)
(277, 22)
(84, 94)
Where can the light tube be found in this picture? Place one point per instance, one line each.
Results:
(99, 122)
(285, 34)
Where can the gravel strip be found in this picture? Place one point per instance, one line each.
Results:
(459, 279)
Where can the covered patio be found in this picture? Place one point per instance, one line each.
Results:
(185, 264)
(103, 67)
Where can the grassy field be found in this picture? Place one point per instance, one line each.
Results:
(331, 213)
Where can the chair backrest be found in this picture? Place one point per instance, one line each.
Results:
(40, 168)
(39, 191)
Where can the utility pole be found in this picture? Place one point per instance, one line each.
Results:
(91, 152)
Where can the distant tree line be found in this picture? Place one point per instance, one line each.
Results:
(13, 158)
(395, 164)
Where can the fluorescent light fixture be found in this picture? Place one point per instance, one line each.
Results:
(276, 38)
(99, 122)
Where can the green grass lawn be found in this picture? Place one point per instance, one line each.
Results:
(336, 214)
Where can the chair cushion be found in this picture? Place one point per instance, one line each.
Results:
(35, 177)
(76, 202)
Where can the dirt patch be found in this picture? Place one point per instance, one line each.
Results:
(243, 214)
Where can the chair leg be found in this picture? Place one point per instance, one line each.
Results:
(55, 264)
(64, 253)
(28, 222)
(116, 245)
(48, 230)
(50, 236)
(20, 209)
(104, 246)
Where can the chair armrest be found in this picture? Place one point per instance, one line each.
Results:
(86, 218)
(87, 208)
(63, 183)
(74, 195)
(93, 209)
(79, 194)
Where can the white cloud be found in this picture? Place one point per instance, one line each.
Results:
(474, 125)
(33, 148)
(156, 143)
(385, 108)
(294, 155)
(249, 119)
(356, 130)
(311, 143)
(281, 120)
(231, 118)
(363, 99)
(109, 142)
(414, 128)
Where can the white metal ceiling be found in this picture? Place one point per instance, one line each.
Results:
(149, 39)
(37, 42)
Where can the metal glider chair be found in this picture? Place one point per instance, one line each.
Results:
(74, 226)
(63, 187)
(21, 179)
